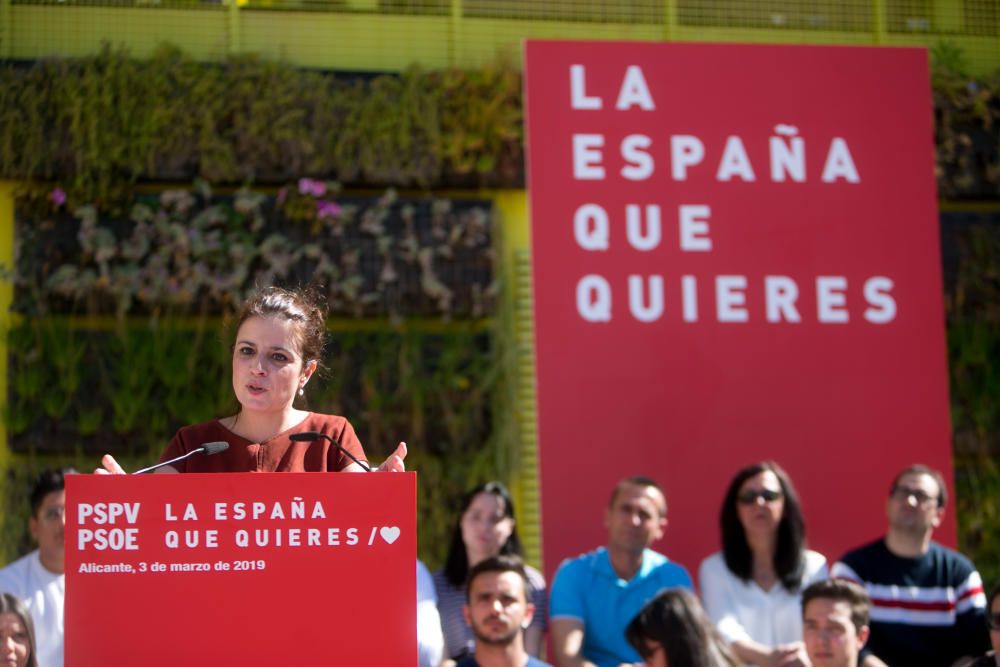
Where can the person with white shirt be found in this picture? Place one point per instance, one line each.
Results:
(37, 578)
(751, 588)
(430, 641)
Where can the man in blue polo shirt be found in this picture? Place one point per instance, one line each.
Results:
(594, 596)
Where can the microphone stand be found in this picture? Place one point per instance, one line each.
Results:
(309, 436)
(208, 450)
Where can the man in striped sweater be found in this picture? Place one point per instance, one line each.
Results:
(927, 602)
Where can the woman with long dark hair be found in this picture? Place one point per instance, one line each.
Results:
(672, 629)
(485, 528)
(751, 588)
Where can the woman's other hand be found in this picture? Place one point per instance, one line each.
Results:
(395, 461)
(109, 466)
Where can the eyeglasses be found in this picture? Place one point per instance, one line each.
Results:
(904, 493)
(54, 513)
(750, 496)
(993, 620)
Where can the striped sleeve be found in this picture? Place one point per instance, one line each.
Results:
(971, 594)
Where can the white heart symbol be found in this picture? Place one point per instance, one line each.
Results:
(389, 533)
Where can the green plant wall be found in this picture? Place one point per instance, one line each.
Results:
(98, 125)
(122, 326)
(973, 310)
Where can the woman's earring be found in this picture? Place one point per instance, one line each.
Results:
(302, 390)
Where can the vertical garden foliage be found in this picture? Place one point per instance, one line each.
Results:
(123, 331)
(100, 124)
(973, 307)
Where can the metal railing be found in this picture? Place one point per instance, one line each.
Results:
(392, 34)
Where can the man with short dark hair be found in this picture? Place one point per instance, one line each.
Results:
(595, 595)
(38, 577)
(834, 622)
(497, 609)
(927, 601)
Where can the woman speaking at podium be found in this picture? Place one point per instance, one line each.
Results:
(279, 342)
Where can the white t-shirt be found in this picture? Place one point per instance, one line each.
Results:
(743, 610)
(430, 641)
(43, 593)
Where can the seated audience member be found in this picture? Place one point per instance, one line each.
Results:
(430, 643)
(927, 601)
(37, 578)
(751, 588)
(595, 595)
(485, 527)
(672, 629)
(992, 659)
(17, 636)
(835, 622)
(498, 610)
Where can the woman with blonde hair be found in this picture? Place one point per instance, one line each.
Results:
(17, 634)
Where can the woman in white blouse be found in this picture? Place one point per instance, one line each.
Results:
(751, 588)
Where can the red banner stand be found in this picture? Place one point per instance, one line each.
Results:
(241, 569)
(735, 258)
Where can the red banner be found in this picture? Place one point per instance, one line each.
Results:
(240, 569)
(735, 258)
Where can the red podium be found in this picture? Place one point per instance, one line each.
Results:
(241, 569)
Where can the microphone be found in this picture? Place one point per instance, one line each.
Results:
(207, 449)
(309, 436)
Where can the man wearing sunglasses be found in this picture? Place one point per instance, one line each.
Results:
(927, 601)
(38, 577)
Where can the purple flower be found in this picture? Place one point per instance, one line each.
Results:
(58, 197)
(327, 209)
(282, 193)
(308, 186)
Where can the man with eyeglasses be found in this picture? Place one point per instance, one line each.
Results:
(38, 577)
(927, 600)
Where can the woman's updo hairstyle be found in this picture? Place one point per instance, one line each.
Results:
(303, 307)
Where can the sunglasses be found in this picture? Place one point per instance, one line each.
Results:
(993, 620)
(750, 496)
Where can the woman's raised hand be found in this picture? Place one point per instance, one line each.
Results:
(395, 461)
(109, 466)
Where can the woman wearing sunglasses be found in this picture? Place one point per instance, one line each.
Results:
(751, 588)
